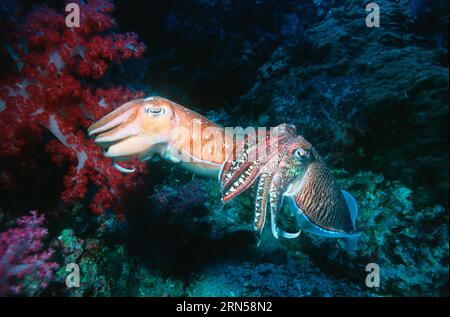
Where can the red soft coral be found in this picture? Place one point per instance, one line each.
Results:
(50, 91)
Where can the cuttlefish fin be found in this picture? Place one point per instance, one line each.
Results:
(304, 223)
(288, 235)
(352, 207)
(352, 241)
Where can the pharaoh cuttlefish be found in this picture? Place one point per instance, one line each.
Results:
(287, 167)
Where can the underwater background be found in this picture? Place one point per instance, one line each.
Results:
(372, 100)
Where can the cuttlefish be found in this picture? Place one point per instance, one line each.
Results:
(284, 165)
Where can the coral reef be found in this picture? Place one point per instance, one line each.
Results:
(373, 101)
(202, 250)
(384, 90)
(25, 266)
(409, 244)
(180, 199)
(52, 91)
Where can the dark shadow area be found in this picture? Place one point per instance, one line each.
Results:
(37, 182)
(212, 51)
(184, 247)
(170, 231)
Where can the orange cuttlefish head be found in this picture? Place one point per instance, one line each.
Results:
(134, 129)
(142, 128)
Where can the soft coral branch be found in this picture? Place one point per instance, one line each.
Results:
(24, 263)
(51, 92)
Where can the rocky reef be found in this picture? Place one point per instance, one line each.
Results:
(373, 101)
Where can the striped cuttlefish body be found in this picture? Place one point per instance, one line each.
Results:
(284, 165)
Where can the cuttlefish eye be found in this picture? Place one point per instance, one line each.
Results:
(154, 110)
(301, 154)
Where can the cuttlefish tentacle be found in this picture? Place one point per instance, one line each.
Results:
(278, 186)
(231, 167)
(262, 190)
(239, 174)
(248, 152)
(262, 194)
(275, 202)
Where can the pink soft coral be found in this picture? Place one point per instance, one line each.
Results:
(24, 263)
(54, 89)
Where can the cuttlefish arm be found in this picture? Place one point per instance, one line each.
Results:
(261, 196)
(280, 181)
(251, 161)
(267, 165)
